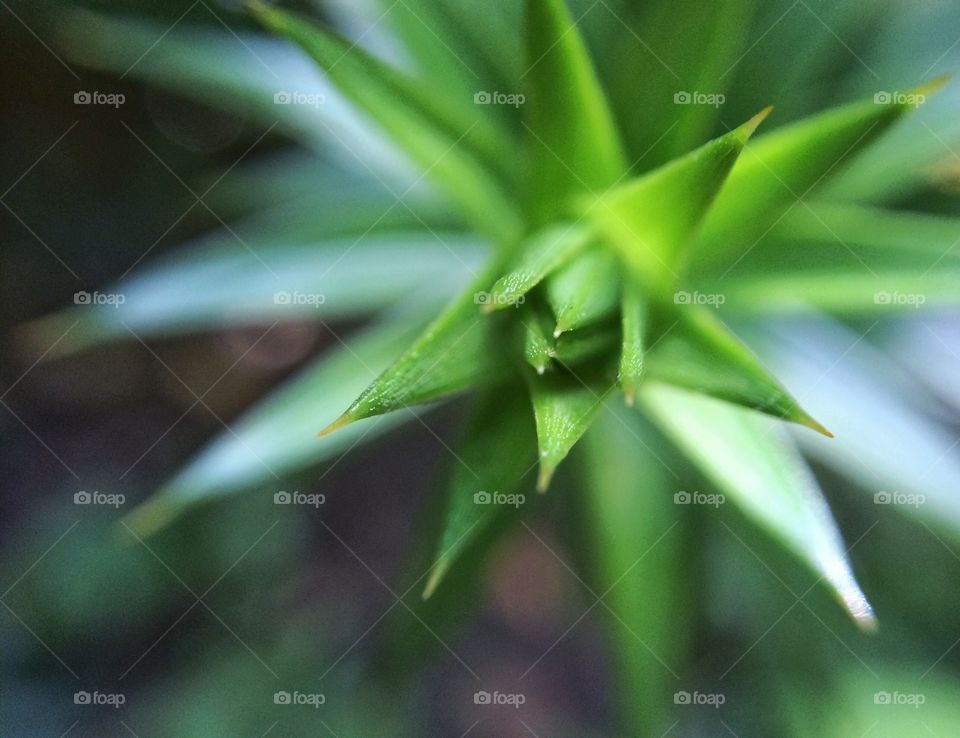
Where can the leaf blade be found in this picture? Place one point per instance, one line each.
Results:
(753, 461)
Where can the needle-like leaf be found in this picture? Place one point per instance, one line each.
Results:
(564, 406)
(651, 218)
(753, 461)
(780, 168)
(538, 344)
(633, 318)
(584, 291)
(459, 350)
(701, 354)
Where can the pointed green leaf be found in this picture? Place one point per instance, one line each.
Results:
(499, 448)
(633, 309)
(753, 461)
(574, 143)
(459, 350)
(637, 546)
(782, 167)
(563, 406)
(538, 344)
(651, 218)
(584, 291)
(459, 149)
(541, 254)
(701, 354)
(278, 435)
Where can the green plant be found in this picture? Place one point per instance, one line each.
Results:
(611, 250)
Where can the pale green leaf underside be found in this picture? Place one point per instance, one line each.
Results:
(278, 436)
(753, 461)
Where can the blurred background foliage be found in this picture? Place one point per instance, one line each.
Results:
(198, 162)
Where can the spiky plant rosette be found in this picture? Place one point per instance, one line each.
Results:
(608, 255)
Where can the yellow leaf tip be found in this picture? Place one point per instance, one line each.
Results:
(751, 125)
(436, 576)
(544, 477)
(933, 85)
(343, 420)
(817, 426)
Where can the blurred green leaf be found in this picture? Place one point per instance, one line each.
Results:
(664, 48)
(854, 292)
(276, 273)
(279, 435)
(462, 151)
(574, 145)
(884, 439)
(638, 556)
(499, 447)
(753, 460)
(449, 44)
(781, 167)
